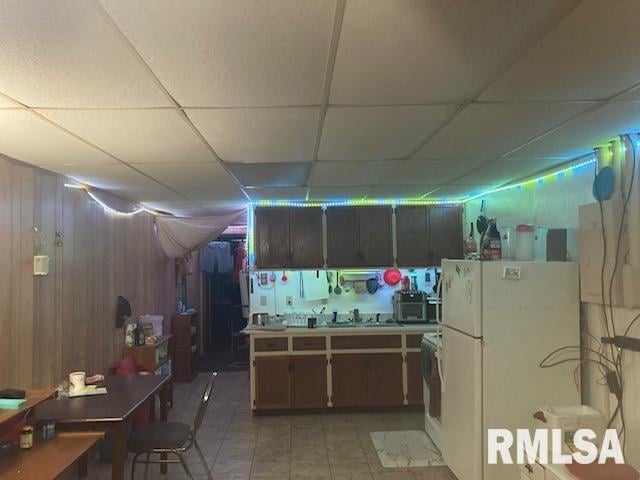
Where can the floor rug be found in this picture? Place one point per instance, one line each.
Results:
(410, 448)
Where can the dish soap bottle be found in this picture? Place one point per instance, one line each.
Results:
(470, 245)
(491, 245)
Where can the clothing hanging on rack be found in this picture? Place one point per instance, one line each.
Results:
(216, 258)
(239, 261)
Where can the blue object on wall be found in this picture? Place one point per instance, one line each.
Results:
(603, 184)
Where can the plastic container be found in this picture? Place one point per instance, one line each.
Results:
(524, 242)
(569, 419)
(508, 242)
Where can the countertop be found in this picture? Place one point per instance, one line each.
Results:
(398, 329)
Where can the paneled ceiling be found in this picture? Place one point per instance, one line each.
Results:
(192, 107)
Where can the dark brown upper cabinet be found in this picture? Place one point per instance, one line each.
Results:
(445, 233)
(412, 236)
(288, 237)
(359, 236)
(426, 235)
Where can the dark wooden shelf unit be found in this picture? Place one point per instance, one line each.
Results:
(186, 338)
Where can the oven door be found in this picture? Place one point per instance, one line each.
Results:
(432, 391)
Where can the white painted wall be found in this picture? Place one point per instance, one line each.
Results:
(554, 204)
(276, 294)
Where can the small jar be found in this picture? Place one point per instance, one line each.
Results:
(48, 430)
(26, 437)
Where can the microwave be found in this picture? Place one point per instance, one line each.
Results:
(410, 307)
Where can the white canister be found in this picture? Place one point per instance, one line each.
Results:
(524, 242)
(77, 382)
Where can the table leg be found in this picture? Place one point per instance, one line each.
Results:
(83, 465)
(119, 451)
(164, 394)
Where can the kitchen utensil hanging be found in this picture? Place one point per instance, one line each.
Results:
(337, 290)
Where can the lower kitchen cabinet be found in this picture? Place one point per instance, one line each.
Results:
(367, 379)
(283, 382)
(349, 379)
(414, 379)
(309, 381)
(384, 379)
(272, 383)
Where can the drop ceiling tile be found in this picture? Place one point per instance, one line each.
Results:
(580, 136)
(437, 51)
(506, 170)
(335, 174)
(378, 133)
(455, 192)
(270, 174)
(221, 195)
(31, 139)
(64, 54)
(321, 194)
(112, 178)
(192, 175)
(490, 130)
(292, 193)
(588, 55)
(136, 136)
(400, 191)
(429, 172)
(246, 53)
(7, 103)
(259, 134)
(152, 194)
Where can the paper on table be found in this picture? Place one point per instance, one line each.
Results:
(90, 390)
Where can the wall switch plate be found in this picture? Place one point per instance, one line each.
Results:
(263, 300)
(511, 273)
(41, 265)
(289, 301)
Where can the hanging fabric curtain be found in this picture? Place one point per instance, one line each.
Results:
(179, 236)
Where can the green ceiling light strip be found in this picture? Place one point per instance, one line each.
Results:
(535, 181)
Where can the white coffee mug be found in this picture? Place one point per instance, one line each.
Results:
(76, 382)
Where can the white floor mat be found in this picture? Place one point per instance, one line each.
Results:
(410, 448)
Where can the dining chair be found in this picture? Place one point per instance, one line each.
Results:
(170, 438)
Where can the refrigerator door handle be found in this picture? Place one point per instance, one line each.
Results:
(440, 357)
(439, 300)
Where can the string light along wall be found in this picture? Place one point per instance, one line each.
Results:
(106, 207)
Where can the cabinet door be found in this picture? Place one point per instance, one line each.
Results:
(412, 236)
(309, 381)
(414, 379)
(445, 233)
(349, 379)
(272, 237)
(375, 237)
(384, 379)
(342, 237)
(305, 225)
(272, 379)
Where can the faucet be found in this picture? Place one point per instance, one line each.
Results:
(377, 318)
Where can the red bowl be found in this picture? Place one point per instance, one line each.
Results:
(392, 276)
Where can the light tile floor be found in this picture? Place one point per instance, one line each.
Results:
(240, 446)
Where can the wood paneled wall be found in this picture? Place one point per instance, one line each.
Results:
(65, 321)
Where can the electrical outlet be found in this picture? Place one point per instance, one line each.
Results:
(511, 273)
(289, 301)
(263, 300)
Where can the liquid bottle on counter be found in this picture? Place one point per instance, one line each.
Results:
(491, 245)
(470, 245)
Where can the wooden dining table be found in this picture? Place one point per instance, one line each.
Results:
(109, 412)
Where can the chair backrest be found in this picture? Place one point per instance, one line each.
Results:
(202, 408)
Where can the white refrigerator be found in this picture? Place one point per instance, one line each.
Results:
(499, 320)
